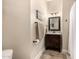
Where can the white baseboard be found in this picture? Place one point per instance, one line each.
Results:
(67, 53)
(64, 51)
(39, 54)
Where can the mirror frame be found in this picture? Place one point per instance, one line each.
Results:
(53, 18)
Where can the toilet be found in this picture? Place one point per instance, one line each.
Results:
(7, 54)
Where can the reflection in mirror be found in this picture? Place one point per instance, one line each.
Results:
(54, 24)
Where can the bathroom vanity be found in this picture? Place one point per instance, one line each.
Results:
(53, 42)
(53, 37)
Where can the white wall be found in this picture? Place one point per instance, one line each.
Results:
(72, 32)
(39, 5)
(54, 6)
(65, 24)
(16, 28)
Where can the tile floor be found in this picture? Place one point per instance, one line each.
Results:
(53, 55)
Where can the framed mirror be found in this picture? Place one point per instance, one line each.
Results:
(54, 24)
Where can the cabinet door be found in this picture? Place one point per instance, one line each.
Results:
(53, 42)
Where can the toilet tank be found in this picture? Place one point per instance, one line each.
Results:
(7, 54)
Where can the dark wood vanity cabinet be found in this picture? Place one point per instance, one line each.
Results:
(53, 42)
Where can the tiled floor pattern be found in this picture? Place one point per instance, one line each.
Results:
(53, 55)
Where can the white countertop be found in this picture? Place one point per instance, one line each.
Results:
(52, 32)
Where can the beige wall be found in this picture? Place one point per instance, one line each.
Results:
(54, 6)
(16, 27)
(65, 26)
(18, 19)
(39, 5)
